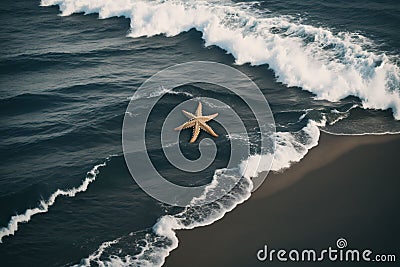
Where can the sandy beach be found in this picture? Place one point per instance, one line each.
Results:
(346, 187)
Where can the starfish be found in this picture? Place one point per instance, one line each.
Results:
(197, 121)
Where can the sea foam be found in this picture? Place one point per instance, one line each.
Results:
(44, 206)
(330, 65)
(290, 148)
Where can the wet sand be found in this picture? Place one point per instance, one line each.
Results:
(346, 187)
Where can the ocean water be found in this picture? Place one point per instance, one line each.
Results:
(68, 70)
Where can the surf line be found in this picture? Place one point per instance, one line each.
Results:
(44, 206)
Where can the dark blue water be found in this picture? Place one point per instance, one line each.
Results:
(66, 81)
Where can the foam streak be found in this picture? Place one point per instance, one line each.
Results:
(44, 206)
(330, 65)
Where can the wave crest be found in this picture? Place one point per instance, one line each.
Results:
(330, 65)
(44, 206)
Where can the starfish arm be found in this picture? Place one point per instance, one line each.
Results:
(198, 110)
(208, 129)
(198, 122)
(186, 125)
(209, 117)
(196, 132)
(188, 114)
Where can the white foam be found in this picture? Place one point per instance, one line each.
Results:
(161, 91)
(341, 115)
(194, 216)
(330, 65)
(152, 254)
(290, 148)
(362, 134)
(44, 206)
(95, 257)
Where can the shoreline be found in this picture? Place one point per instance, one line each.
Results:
(333, 192)
(329, 148)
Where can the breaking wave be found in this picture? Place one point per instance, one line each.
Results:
(155, 245)
(44, 206)
(330, 65)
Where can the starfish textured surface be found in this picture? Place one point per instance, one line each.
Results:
(197, 121)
